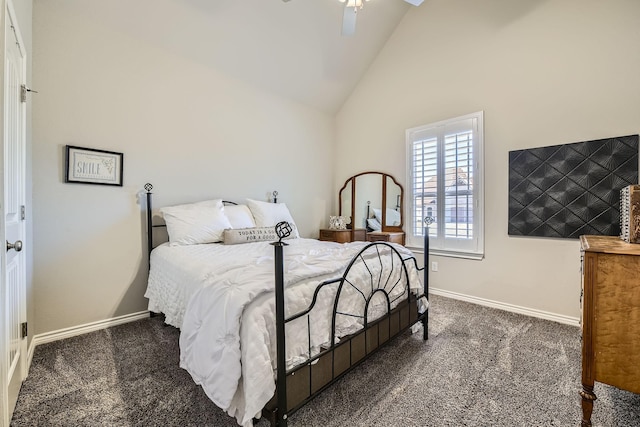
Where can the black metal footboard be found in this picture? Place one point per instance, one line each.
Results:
(306, 380)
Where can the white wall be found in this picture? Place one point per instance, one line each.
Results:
(186, 127)
(544, 72)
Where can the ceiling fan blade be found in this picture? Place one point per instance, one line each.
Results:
(413, 2)
(349, 21)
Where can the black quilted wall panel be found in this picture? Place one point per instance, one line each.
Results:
(571, 189)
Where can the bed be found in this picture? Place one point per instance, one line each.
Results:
(333, 304)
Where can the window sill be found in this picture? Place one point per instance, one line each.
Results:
(451, 254)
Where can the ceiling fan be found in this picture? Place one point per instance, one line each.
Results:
(351, 9)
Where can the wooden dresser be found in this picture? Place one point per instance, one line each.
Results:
(610, 317)
(342, 236)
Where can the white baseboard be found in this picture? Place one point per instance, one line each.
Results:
(567, 320)
(102, 324)
(81, 329)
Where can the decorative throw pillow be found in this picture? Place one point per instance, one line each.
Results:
(269, 214)
(194, 223)
(250, 235)
(239, 216)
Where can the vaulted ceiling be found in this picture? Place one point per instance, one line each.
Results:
(293, 49)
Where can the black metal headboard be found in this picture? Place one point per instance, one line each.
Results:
(148, 187)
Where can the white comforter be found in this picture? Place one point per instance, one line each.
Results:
(226, 311)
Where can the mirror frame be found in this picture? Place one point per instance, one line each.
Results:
(383, 177)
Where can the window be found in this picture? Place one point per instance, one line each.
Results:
(445, 179)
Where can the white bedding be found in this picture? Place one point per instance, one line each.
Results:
(222, 299)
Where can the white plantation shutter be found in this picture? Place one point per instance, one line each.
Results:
(425, 171)
(445, 183)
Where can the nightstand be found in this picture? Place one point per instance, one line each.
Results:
(386, 236)
(342, 236)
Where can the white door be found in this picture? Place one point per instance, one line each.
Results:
(12, 260)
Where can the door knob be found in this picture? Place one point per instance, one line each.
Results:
(17, 245)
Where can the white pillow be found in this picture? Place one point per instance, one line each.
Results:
(392, 216)
(194, 223)
(374, 224)
(269, 214)
(239, 216)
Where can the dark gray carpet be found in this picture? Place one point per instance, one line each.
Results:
(480, 367)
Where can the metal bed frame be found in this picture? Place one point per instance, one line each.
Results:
(306, 380)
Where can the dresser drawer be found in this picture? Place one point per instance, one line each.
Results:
(378, 237)
(360, 235)
(339, 236)
(386, 236)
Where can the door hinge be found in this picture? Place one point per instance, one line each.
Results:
(23, 92)
(23, 213)
(24, 329)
